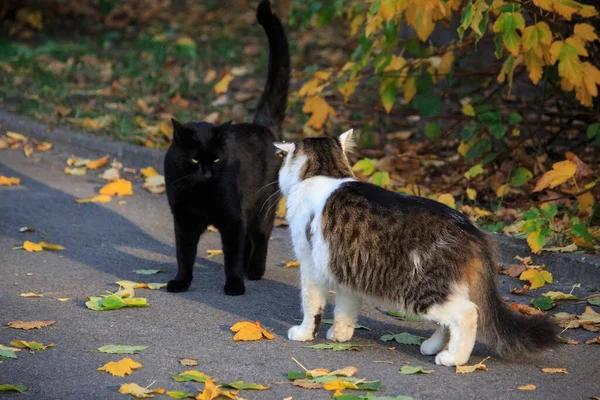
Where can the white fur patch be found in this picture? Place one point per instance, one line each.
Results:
(418, 263)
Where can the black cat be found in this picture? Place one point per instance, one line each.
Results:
(226, 175)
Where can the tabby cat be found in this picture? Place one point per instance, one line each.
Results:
(226, 175)
(409, 252)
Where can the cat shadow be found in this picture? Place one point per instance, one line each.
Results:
(100, 238)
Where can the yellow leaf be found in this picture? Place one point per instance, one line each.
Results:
(213, 253)
(537, 278)
(188, 362)
(586, 203)
(338, 385)
(467, 369)
(247, 330)
(16, 136)
(533, 239)
(31, 246)
(346, 371)
(120, 187)
(555, 370)
(527, 387)
(185, 42)
(165, 129)
(419, 15)
(320, 110)
(50, 246)
(101, 198)
(30, 294)
(210, 76)
(32, 345)
(357, 21)
(560, 173)
(139, 392)
(78, 171)
(591, 78)
(99, 163)
(62, 111)
(585, 32)
(281, 208)
(92, 123)
(7, 181)
(544, 4)
(34, 19)
(211, 391)
(445, 65)
(292, 264)
(348, 88)
(534, 65)
(410, 89)
(120, 368)
(589, 316)
(503, 190)
(447, 199)
(43, 146)
(315, 373)
(148, 172)
(222, 86)
(471, 194)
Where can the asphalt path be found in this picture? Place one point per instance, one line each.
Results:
(105, 242)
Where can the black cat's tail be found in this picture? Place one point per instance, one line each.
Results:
(508, 332)
(273, 102)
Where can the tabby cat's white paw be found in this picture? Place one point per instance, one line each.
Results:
(340, 332)
(298, 333)
(445, 358)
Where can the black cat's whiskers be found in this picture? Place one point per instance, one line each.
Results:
(267, 200)
(268, 184)
(272, 206)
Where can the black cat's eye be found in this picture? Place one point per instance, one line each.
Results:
(194, 161)
(217, 160)
(281, 154)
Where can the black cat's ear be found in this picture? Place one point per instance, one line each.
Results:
(176, 125)
(180, 132)
(223, 127)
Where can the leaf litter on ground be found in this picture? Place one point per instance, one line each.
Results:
(115, 301)
(188, 362)
(8, 352)
(192, 376)
(138, 285)
(36, 247)
(148, 271)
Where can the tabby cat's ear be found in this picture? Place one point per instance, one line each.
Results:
(285, 147)
(346, 141)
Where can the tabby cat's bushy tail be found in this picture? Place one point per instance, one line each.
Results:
(273, 102)
(505, 330)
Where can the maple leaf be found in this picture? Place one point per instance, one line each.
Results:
(247, 330)
(120, 187)
(222, 86)
(211, 391)
(23, 344)
(537, 278)
(120, 368)
(192, 376)
(101, 198)
(320, 110)
(26, 325)
(508, 23)
(99, 163)
(561, 172)
(569, 65)
(139, 392)
(467, 369)
(8, 181)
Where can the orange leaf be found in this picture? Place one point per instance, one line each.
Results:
(99, 163)
(527, 387)
(319, 109)
(248, 331)
(560, 173)
(120, 368)
(120, 187)
(7, 181)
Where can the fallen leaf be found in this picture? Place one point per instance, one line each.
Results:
(339, 346)
(50, 246)
(181, 395)
(589, 316)
(357, 326)
(241, 385)
(120, 187)
(26, 325)
(7, 181)
(403, 338)
(410, 370)
(114, 302)
(346, 371)
(313, 373)
(63, 299)
(30, 345)
(306, 384)
(101, 198)
(595, 340)
(292, 264)
(43, 146)
(247, 330)
(121, 349)
(155, 184)
(213, 117)
(110, 174)
(99, 163)
(75, 161)
(24, 229)
(211, 391)
(76, 171)
(120, 368)
(567, 340)
(210, 76)
(594, 301)
(213, 253)
(521, 292)
(141, 103)
(543, 303)
(139, 392)
(148, 271)
(527, 387)
(30, 294)
(188, 362)
(467, 369)
(525, 309)
(555, 370)
(31, 246)
(537, 278)
(211, 228)
(16, 136)
(8, 352)
(560, 296)
(339, 385)
(560, 173)
(8, 387)
(192, 376)
(222, 86)
(148, 172)
(515, 270)
(62, 111)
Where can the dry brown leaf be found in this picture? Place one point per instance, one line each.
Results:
(304, 383)
(188, 362)
(521, 291)
(467, 369)
(43, 146)
(347, 371)
(555, 370)
(314, 373)
(75, 161)
(567, 340)
(27, 325)
(120, 368)
(595, 340)
(16, 136)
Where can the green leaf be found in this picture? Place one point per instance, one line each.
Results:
(148, 271)
(507, 24)
(432, 131)
(511, 7)
(8, 352)
(181, 395)
(368, 385)
(112, 302)
(521, 177)
(339, 346)
(427, 103)
(241, 385)
(403, 338)
(192, 376)
(121, 349)
(593, 129)
(410, 370)
(293, 375)
(405, 317)
(595, 301)
(498, 131)
(514, 118)
(555, 296)
(469, 131)
(474, 171)
(388, 92)
(366, 166)
(381, 179)
(478, 149)
(465, 20)
(580, 230)
(490, 117)
(543, 303)
(357, 326)
(7, 387)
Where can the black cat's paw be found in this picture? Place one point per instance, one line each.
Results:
(255, 275)
(176, 286)
(235, 288)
